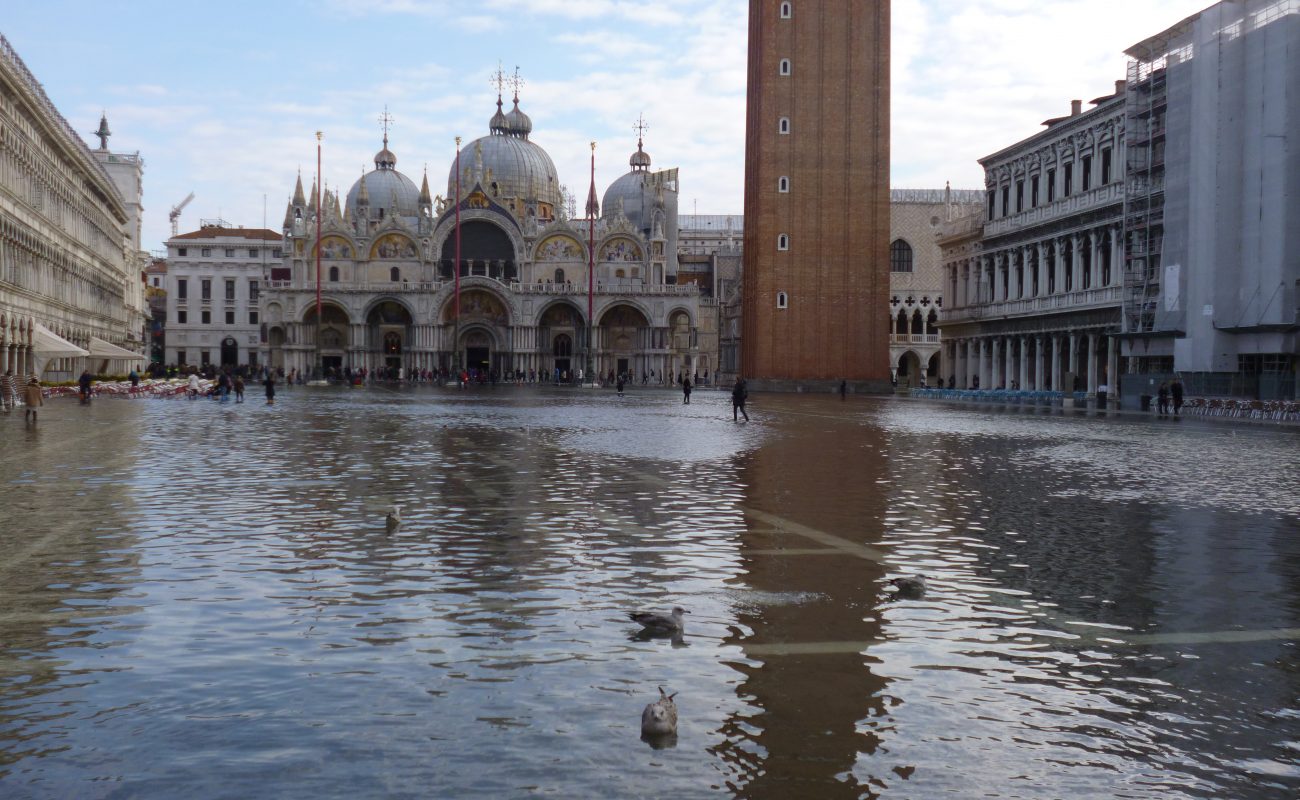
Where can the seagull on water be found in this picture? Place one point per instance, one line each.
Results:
(910, 586)
(660, 623)
(660, 717)
(393, 522)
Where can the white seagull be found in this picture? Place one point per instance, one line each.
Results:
(660, 623)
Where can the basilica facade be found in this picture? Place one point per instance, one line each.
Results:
(400, 288)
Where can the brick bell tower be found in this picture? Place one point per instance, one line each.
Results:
(816, 279)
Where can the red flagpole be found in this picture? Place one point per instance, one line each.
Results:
(319, 361)
(456, 344)
(591, 265)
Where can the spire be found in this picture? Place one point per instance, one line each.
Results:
(385, 159)
(363, 193)
(593, 205)
(288, 215)
(498, 124)
(425, 198)
(311, 203)
(298, 199)
(517, 122)
(103, 133)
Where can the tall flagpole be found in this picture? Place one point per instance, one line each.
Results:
(591, 267)
(456, 336)
(320, 359)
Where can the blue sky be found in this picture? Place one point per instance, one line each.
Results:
(223, 99)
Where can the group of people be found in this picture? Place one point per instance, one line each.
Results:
(1169, 391)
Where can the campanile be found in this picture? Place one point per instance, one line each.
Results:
(816, 275)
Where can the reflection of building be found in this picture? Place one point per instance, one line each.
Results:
(69, 230)
(1212, 282)
(916, 277)
(816, 193)
(389, 251)
(709, 256)
(214, 279)
(1040, 300)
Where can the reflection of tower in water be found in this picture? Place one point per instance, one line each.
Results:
(811, 613)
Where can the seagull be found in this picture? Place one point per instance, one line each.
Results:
(393, 522)
(660, 623)
(911, 586)
(660, 717)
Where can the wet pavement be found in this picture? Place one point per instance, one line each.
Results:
(202, 601)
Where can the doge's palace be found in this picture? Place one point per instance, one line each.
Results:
(69, 249)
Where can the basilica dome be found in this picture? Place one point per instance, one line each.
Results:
(384, 184)
(512, 166)
(637, 199)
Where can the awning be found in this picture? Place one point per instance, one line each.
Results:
(102, 349)
(48, 345)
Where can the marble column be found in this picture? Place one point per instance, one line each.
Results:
(1073, 358)
(1112, 371)
(1039, 361)
(1056, 362)
(1024, 363)
(1041, 269)
(1009, 373)
(999, 287)
(1058, 260)
(995, 365)
(1093, 358)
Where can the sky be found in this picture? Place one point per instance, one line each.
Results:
(224, 99)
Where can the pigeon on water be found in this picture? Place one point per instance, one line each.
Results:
(911, 586)
(660, 623)
(393, 522)
(660, 717)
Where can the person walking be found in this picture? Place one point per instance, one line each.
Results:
(85, 383)
(739, 394)
(192, 388)
(1162, 398)
(33, 397)
(134, 378)
(269, 383)
(1176, 389)
(8, 391)
(239, 388)
(844, 390)
(686, 391)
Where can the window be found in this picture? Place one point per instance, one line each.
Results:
(230, 318)
(182, 288)
(394, 274)
(206, 318)
(785, 11)
(230, 289)
(559, 276)
(1069, 181)
(993, 199)
(334, 274)
(1006, 200)
(785, 66)
(253, 291)
(783, 184)
(782, 242)
(252, 252)
(784, 125)
(252, 318)
(181, 316)
(156, 283)
(230, 252)
(782, 300)
(181, 251)
(1051, 186)
(277, 253)
(180, 357)
(206, 252)
(206, 287)
(1087, 173)
(1020, 195)
(203, 358)
(900, 256)
(1105, 166)
(1033, 192)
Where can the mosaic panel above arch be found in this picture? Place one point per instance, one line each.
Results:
(334, 247)
(621, 250)
(559, 248)
(478, 304)
(393, 245)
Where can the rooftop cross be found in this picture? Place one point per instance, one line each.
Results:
(640, 127)
(516, 83)
(499, 78)
(386, 119)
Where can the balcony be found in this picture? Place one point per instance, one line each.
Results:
(913, 338)
(1112, 193)
(1082, 300)
(558, 289)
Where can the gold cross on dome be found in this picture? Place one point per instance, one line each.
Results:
(499, 79)
(640, 127)
(516, 83)
(386, 120)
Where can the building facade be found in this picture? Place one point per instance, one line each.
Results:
(817, 194)
(917, 277)
(70, 262)
(709, 255)
(155, 295)
(1036, 306)
(1212, 265)
(492, 277)
(214, 278)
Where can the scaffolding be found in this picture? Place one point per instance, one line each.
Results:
(1144, 198)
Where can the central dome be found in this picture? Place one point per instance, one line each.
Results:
(386, 189)
(518, 169)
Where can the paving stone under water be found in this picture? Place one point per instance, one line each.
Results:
(200, 600)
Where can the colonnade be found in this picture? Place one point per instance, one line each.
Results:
(1086, 259)
(1037, 361)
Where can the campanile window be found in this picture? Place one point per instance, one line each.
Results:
(785, 11)
(782, 242)
(783, 184)
(784, 125)
(782, 300)
(785, 66)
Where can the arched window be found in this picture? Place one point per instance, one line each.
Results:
(394, 274)
(783, 184)
(785, 11)
(785, 66)
(901, 327)
(784, 125)
(782, 300)
(782, 242)
(334, 274)
(559, 276)
(900, 256)
(917, 327)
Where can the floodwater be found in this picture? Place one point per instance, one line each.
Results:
(202, 601)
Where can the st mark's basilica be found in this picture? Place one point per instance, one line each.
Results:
(388, 251)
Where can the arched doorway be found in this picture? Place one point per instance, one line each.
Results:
(388, 325)
(333, 334)
(229, 352)
(560, 334)
(275, 338)
(909, 369)
(477, 345)
(932, 371)
(621, 333)
(562, 351)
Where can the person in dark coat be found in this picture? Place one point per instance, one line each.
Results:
(739, 394)
(1176, 389)
(239, 388)
(269, 383)
(686, 391)
(84, 382)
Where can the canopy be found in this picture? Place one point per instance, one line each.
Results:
(49, 345)
(102, 349)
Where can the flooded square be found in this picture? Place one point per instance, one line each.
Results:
(203, 600)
